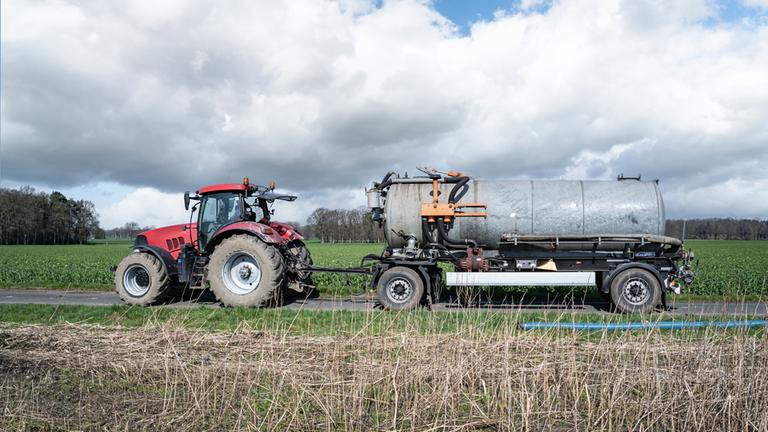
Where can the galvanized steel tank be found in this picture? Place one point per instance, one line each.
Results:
(524, 207)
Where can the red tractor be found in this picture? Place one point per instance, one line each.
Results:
(234, 248)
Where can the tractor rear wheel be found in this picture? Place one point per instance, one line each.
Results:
(245, 271)
(141, 279)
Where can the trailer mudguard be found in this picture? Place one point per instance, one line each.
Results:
(608, 278)
(163, 255)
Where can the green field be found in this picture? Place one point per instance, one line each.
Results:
(87, 267)
(734, 269)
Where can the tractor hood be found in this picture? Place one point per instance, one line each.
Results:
(170, 238)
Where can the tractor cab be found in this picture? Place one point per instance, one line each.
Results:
(225, 204)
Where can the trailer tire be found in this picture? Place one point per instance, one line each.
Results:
(142, 280)
(244, 271)
(400, 288)
(635, 290)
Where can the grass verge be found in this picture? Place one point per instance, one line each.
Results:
(470, 323)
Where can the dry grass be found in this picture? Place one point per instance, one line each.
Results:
(169, 378)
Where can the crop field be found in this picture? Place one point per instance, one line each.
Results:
(88, 266)
(735, 269)
(731, 268)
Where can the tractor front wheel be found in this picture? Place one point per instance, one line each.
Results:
(245, 271)
(141, 279)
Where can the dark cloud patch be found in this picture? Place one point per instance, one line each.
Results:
(328, 97)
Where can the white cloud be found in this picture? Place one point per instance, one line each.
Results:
(719, 199)
(146, 206)
(327, 96)
(756, 3)
(307, 202)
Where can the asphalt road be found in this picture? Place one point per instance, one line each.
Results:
(97, 298)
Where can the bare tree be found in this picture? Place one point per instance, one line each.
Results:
(342, 225)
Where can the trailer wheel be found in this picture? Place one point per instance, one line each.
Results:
(635, 290)
(141, 279)
(244, 271)
(400, 288)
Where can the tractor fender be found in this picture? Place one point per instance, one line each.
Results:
(163, 255)
(261, 231)
(608, 278)
(287, 231)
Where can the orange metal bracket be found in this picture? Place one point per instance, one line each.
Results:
(437, 210)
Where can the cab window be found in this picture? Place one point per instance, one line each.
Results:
(217, 210)
(256, 210)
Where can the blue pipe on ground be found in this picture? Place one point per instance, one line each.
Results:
(671, 325)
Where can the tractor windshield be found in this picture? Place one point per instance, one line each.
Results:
(218, 210)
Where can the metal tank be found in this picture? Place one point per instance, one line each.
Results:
(523, 207)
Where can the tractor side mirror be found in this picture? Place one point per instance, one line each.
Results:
(186, 200)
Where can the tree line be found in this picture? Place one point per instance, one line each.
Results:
(718, 229)
(128, 231)
(342, 226)
(30, 217)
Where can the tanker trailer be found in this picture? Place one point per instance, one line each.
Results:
(608, 234)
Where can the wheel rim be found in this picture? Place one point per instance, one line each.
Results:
(136, 280)
(241, 273)
(399, 290)
(636, 291)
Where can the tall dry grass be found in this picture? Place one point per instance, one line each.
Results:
(169, 378)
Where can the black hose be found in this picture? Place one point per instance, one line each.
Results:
(461, 181)
(443, 233)
(425, 231)
(385, 182)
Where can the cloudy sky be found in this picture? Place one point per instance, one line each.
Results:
(128, 104)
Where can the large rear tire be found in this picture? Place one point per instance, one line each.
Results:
(141, 279)
(245, 271)
(635, 290)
